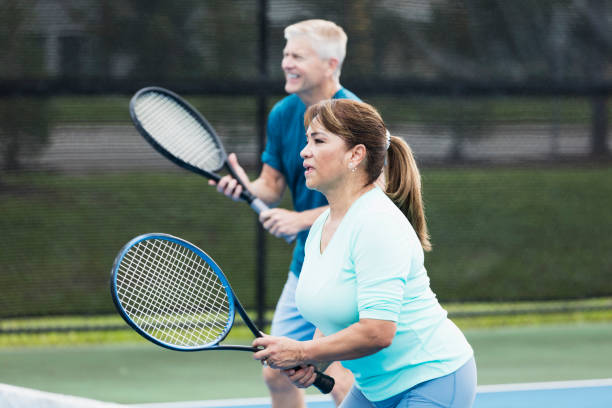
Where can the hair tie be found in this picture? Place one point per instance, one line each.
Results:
(388, 140)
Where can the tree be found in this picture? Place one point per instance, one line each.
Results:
(24, 122)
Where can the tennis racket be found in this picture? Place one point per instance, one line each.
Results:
(180, 133)
(175, 295)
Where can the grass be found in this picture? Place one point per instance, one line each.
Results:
(498, 234)
(520, 234)
(234, 117)
(114, 108)
(570, 110)
(466, 315)
(90, 217)
(485, 110)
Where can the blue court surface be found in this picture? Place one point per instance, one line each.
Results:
(564, 394)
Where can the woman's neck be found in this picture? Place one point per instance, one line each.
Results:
(341, 199)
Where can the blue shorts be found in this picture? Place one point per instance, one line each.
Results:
(287, 320)
(455, 390)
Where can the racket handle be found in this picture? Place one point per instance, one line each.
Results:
(324, 382)
(258, 206)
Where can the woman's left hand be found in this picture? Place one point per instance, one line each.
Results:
(280, 352)
(301, 377)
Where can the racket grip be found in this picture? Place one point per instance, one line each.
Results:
(324, 382)
(258, 206)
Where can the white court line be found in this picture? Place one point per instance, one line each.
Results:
(549, 385)
(236, 402)
(245, 402)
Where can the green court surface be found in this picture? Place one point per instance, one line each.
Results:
(141, 372)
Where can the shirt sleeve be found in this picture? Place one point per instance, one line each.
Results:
(272, 154)
(382, 253)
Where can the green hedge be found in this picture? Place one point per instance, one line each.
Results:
(498, 234)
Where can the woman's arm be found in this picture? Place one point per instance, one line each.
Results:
(360, 339)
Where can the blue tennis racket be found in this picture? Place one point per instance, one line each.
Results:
(176, 296)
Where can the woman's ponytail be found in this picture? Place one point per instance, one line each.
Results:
(404, 187)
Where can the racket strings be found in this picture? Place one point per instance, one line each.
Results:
(184, 291)
(167, 120)
(177, 131)
(172, 294)
(143, 302)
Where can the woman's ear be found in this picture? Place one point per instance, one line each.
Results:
(358, 154)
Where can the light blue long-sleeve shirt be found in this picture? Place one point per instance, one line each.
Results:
(373, 268)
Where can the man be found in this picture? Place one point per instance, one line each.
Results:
(312, 60)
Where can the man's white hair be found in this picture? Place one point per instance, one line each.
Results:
(327, 38)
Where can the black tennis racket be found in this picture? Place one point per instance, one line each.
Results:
(174, 294)
(179, 132)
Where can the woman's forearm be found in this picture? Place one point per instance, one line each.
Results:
(361, 339)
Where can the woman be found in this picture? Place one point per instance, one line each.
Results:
(363, 283)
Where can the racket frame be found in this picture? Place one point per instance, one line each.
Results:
(234, 303)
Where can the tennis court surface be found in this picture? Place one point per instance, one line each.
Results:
(565, 394)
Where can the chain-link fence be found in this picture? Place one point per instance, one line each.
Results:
(504, 103)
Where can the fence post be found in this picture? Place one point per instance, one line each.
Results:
(260, 275)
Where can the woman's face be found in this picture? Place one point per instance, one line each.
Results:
(326, 158)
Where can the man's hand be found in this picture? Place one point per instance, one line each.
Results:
(282, 223)
(228, 185)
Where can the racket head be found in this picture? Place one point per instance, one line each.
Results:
(172, 293)
(178, 131)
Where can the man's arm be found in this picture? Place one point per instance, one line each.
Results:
(269, 187)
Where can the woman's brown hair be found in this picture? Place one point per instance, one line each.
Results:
(359, 123)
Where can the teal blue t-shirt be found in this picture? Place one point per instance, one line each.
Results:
(286, 137)
(373, 268)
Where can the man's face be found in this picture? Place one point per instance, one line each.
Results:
(305, 72)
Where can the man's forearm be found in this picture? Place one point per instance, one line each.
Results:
(266, 191)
